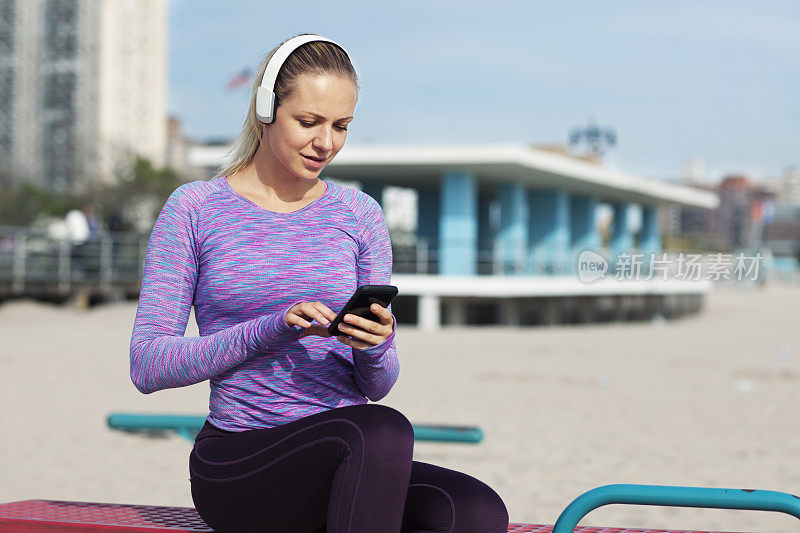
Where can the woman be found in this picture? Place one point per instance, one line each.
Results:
(265, 251)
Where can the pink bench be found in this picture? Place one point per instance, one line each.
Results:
(32, 516)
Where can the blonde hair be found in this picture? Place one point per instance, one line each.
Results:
(316, 57)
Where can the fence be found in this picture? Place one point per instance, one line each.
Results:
(33, 263)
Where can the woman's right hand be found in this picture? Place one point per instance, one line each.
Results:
(303, 313)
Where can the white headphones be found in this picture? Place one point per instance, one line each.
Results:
(265, 97)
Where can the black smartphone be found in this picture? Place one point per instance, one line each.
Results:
(360, 302)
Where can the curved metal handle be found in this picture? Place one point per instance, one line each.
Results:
(750, 499)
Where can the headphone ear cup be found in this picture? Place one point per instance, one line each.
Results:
(265, 105)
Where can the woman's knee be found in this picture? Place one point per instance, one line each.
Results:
(477, 507)
(384, 422)
(482, 509)
(473, 509)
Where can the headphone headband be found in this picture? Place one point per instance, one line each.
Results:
(265, 96)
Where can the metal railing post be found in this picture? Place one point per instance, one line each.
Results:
(64, 266)
(498, 258)
(20, 256)
(422, 256)
(106, 264)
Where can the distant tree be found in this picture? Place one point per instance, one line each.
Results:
(131, 203)
(21, 202)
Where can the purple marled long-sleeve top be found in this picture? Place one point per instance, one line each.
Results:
(243, 267)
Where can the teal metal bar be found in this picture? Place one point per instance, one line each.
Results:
(187, 426)
(748, 499)
(467, 434)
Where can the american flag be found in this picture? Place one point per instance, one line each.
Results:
(239, 79)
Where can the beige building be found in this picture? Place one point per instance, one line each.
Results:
(789, 191)
(82, 88)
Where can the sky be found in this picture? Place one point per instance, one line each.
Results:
(718, 81)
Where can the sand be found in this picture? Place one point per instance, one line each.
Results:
(710, 400)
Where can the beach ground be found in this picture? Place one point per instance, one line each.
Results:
(708, 400)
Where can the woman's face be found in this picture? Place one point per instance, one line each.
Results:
(310, 126)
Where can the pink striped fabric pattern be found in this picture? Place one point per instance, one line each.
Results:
(242, 267)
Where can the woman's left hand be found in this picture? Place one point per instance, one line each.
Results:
(366, 332)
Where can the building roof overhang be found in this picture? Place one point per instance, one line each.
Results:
(418, 165)
(414, 165)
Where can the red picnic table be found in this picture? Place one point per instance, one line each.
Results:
(34, 516)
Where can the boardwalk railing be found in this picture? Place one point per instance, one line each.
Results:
(33, 263)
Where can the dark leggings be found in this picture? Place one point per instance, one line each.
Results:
(347, 469)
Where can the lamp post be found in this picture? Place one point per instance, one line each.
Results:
(594, 137)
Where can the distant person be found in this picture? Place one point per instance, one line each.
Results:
(83, 234)
(116, 223)
(91, 222)
(77, 226)
(265, 251)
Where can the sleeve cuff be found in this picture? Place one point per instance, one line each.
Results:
(273, 328)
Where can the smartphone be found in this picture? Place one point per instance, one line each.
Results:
(360, 302)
